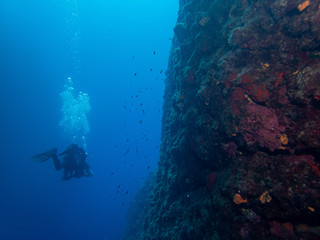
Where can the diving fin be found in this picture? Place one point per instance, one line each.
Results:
(42, 157)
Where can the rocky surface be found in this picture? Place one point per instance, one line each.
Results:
(138, 209)
(240, 146)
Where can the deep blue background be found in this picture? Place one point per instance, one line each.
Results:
(37, 54)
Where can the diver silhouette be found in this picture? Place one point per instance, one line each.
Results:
(73, 161)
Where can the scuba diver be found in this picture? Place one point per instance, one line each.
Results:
(73, 161)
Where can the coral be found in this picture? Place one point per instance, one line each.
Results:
(260, 125)
(307, 159)
(284, 139)
(303, 6)
(311, 209)
(278, 230)
(211, 181)
(288, 226)
(265, 197)
(247, 90)
(279, 80)
(258, 92)
(237, 199)
(313, 165)
(237, 96)
(229, 80)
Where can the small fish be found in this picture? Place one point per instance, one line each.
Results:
(126, 153)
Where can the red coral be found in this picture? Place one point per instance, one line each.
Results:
(279, 80)
(261, 126)
(229, 80)
(211, 181)
(248, 89)
(280, 231)
(237, 96)
(257, 91)
(308, 159)
(314, 167)
(246, 80)
(281, 95)
(260, 93)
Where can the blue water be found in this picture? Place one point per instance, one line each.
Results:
(101, 45)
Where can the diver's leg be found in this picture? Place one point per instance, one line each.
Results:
(66, 175)
(88, 171)
(56, 161)
(78, 173)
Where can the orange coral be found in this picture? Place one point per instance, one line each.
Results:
(311, 209)
(284, 139)
(303, 227)
(288, 225)
(265, 66)
(303, 5)
(265, 197)
(237, 199)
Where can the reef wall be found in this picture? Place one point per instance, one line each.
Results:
(241, 124)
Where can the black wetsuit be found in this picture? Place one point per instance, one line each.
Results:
(73, 163)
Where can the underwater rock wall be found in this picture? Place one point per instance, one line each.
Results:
(241, 124)
(138, 209)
